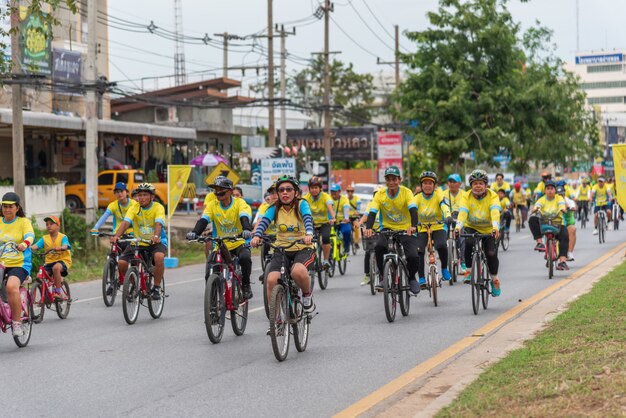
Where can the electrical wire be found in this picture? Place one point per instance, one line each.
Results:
(382, 26)
(369, 27)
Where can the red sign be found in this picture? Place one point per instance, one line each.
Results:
(389, 152)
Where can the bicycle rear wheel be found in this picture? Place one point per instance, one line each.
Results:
(518, 220)
(155, 307)
(239, 314)
(485, 285)
(353, 245)
(615, 220)
(550, 256)
(373, 273)
(301, 327)
(110, 282)
(26, 317)
(37, 298)
(432, 283)
(131, 296)
(504, 240)
(63, 305)
(214, 309)
(389, 290)
(279, 322)
(452, 261)
(343, 260)
(323, 275)
(475, 279)
(403, 291)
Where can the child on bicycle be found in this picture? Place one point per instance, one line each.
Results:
(57, 247)
(505, 204)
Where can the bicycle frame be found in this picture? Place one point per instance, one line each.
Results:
(217, 264)
(6, 315)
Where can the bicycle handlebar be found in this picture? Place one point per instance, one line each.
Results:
(218, 239)
(476, 235)
(135, 240)
(268, 239)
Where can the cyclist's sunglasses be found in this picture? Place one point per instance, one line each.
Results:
(349, 191)
(288, 228)
(285, 189)
(220, 193)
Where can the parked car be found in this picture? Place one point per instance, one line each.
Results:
(365, 192)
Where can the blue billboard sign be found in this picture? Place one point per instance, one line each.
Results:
(600, 59)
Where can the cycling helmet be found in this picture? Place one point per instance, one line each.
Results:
(550, 183)
(586, 180)
(335, 188)
(315, 181)
(428, 175)
(146, 187)
(454, 177)
(561, 183)
(560, 190)
(517, 186)
(478, 175)
(222, 182)
(289, 179)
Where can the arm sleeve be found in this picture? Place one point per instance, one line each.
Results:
(200, 225)
(495, 211)
(39, 243)
(307, 217)
(65, 241)
(346, 211)
(414, 217)
(245, 222)
(102, 219)
(265, 221)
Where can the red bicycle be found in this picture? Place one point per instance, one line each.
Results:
(223, 291)
(6, 317)
(550, 231)
(111, 280)
(43, 295)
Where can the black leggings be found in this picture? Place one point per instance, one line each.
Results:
(583, 207)
(489, 245)
(324, 231)
(439, 241)
(562, 237)
(506, 219)
(409, 244)
(245, 261)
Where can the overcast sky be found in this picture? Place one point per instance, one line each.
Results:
(601, 26)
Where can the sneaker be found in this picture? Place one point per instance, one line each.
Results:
(495, 288)
(422, 283)
(247, 291)
(308, 304)
(109, 290)
(379, 287)
(446, 274)
(261, 278)
(326, 264)
(17, 329)
(463, 269)
(570, 256)
(366, 280)
(540, 247)
(595, 231)
(562, 266)
(57, 296)
(467, 280)
(156, 293)
(415, 287)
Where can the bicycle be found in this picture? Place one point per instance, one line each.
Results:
(616, 215)
(6, 316)
(111, 281)
(318, 269)
(138, 283)
(583, 216)
(395, 277)
(223, 290)
(479, 277)
(338, 255)
(286, 309)
(354, 246)
(433, 282)
(503, 239)
(454, 255)
(518, 218)
(368, 246)
(42, 294)
(601, 225)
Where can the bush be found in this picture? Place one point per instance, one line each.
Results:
(75, 228)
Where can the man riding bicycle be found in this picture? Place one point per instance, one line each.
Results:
(341, 206)
(583, 198)
(520, 199)
(148, 222)
(229, 216)
(454, 196)
(539, 190)
(355, 214)
(479, 212)
(398, 212)
(294, 221)
(601, 196)
(321, 205)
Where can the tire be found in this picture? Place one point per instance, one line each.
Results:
(26, 317)
(550, 254)
(453, 263)
(239, 315)
(583, 221)
(39, 304)
(615, 223)
(432, 283)
(353, 246)
(131, 296)
(323, 275)
(155, 307)
(333, 266)
(214, 308)
(485, 286)
(301, 327)
(343, 260)
(373, 273)
(279, 325)
(518, 220)
(475, 283)
(389, 290)
(403, 292)
(265, 301)
(63, 306)
(73, 203)
(110, 278)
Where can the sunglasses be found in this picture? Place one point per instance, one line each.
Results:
(349, 191)
(222, 193)
(285, 189)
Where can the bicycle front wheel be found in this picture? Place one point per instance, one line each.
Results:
(301, 327)
(484, 287)
(214, 308)
(343, 260)
(505, 240)
(403, 291)
(63, 305)
(373, 273)
(279, 322)
(453, 263)
(475, 282)
(239, 314)
(26, 317)
(324, 274)
(390, 290)
(37, 298)
(550, 257)
(155, 307)
(131, 297)
(110, 282)
(266, 304)
(433, 283)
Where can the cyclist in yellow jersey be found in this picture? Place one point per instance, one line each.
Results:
(505, 213)
(355, 213)
(480, 213)
(583, 199)
(397, 212)
(341, 206)
(539, 190)
(601, 197)
(551, 206)
(295, 222)
(57, 247)
(368, 243)
(454, 196)
(500, 184)
(148, 222)
(432, 207)
(229, 216)
(321, 205)
(15, 227)
(520, 199)
(118, 210)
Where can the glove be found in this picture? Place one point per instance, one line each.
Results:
(192, 236)
(449, 220)
(246, 234)
(94, 232)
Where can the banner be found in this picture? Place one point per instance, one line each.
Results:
(66, 69)
(273, 168)
(389, 152)
(347, 144)
(619, 163)
(177, 176)
(35, 44)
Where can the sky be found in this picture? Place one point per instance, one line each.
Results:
(137, 55)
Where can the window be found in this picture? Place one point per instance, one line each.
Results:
(604, 85)
(123, 177)
(105, 179)
(138, 178)
(609, 68)
(606, 100)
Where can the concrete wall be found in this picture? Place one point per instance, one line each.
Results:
(42, 201)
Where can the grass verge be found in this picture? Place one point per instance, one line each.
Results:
(575, 367)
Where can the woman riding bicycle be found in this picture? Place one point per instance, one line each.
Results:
(15, 227)
(294, 222)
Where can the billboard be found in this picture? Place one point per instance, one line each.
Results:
(599, 59)
(389, 152)
(35, 44)
(347, 144)
(273, 168)
(66, 68)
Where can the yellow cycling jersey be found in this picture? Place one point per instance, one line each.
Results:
(144, 221)
(529, 193)
(504, 204)
(601, 195)
(541, 187)
(506, 186)
(319, 207)
(17, 231)
(394, 211)
(583, 193)
(119, 213)
(454, 201)
(290, 227)
(339, 205)
(552, 208)
(431, 209)
(271, 230)
(47, 244)
(519, 198)
(226, 221)
(482, 215)
(355, 202)
(210, 197)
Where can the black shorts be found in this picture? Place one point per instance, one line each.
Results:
(18, 272)
(305, 256)
(49, 266)
(150, 250)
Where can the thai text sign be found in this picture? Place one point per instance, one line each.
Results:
(347, 144)
(35, 45)
(273, 168)
(389, 152)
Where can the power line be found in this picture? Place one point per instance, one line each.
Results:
(352, 39)
(368, 27)
(381, 25)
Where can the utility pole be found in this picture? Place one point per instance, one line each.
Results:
(91, 134)
(577, 26)
(180, 75)
(17, 122)
(283, 83)
(270, 76)
(327, 146)
(227, 37)
(397, 56)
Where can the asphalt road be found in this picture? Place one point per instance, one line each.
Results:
(93, 364)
